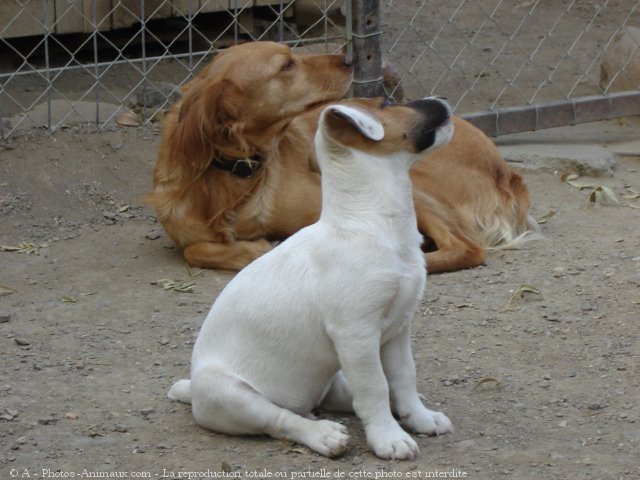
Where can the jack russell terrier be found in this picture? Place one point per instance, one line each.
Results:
(323, 320)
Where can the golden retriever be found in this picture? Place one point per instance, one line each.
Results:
(236, 170)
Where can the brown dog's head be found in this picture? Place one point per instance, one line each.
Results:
(247, 94)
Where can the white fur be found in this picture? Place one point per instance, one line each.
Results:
(324, 319)
(367, 124)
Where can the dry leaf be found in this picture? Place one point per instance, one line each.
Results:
(129, 119)
(569, 176)
(191, 273)
(521, 291)
(603, 196)
(580, 185)
(182, 287)
(546, 217)
(4, 290)
(23, 247)
(571, 179)
(486, 380)
(67, 299)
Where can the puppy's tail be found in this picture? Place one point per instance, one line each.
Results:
(180, 391)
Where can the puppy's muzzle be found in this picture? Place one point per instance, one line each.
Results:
(436, 114)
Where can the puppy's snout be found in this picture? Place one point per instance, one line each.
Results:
(436, 113)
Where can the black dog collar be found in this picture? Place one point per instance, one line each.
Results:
(241, 167)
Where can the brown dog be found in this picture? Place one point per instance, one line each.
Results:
(236, 171)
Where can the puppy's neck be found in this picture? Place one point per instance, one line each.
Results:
(361, 190)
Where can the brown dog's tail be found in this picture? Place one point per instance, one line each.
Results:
(515, 226)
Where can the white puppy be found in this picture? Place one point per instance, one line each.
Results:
(337, 295)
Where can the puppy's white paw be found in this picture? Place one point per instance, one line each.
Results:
(428, 421)
(393, 444)
(327, 438)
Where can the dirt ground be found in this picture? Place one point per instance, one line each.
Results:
(541, 386)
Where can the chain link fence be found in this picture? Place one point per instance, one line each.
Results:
(69, 61)
(526, 64)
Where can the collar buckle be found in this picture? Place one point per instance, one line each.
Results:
(241, 167)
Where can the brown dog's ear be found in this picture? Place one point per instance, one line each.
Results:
(226, 101)
(209, 120)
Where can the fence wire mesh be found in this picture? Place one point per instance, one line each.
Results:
(70, 61)
(487, 54)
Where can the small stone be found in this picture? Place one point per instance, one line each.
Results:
(4, 317)
(147, 410)
(22, 342)
(46, 421)
(164, 341)
(465, 445)
(121, 428)
(153, 235)
(110, 215)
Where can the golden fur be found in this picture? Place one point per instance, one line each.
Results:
(262, 99)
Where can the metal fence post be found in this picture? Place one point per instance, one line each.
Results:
(367, 48)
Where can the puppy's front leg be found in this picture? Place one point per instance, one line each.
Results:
(400, 372)
(360, 362)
